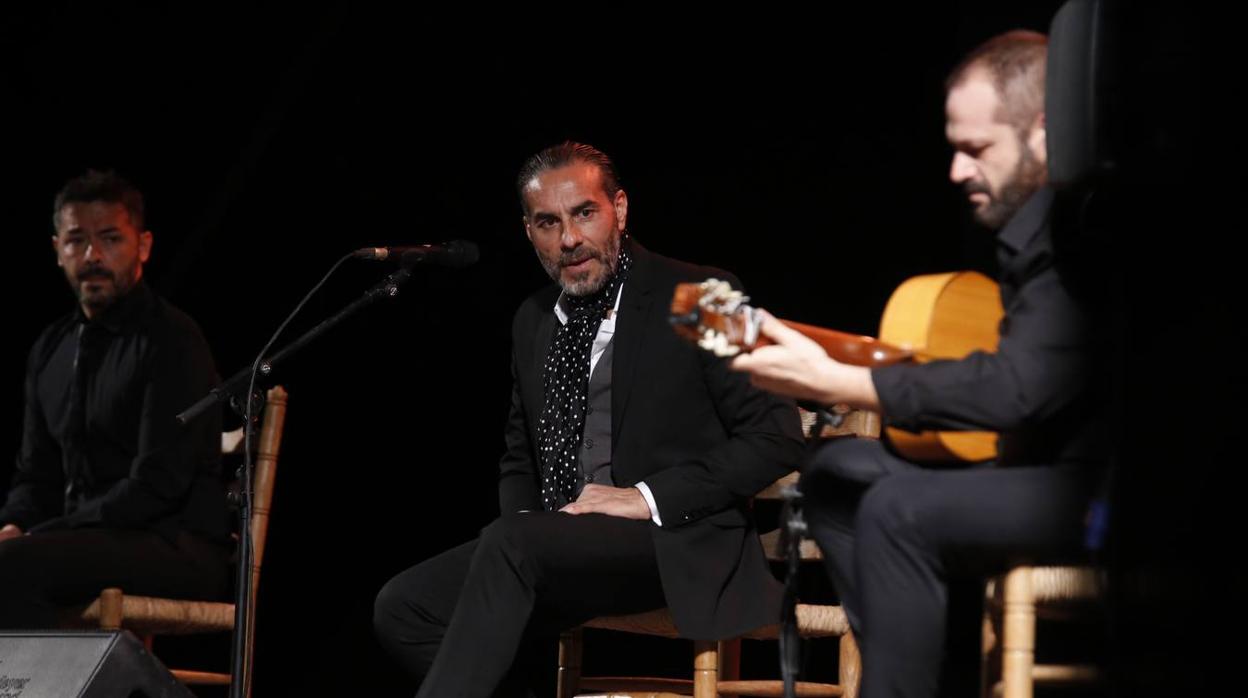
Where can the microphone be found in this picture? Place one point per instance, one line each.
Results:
(455, 254)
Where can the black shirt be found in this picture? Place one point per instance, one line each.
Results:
(1035, 388)
(116, 457)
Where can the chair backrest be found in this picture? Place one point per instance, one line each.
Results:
(853, 423)
(860, 423)
(268, 447)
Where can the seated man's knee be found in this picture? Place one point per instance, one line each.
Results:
(413, 603)
(523, 543)
(853, 459)
(836, 471)
(510, 534)
(388, 607)
(890, 505)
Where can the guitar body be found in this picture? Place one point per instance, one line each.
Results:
(943, 316)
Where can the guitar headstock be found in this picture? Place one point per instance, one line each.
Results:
(715, 316)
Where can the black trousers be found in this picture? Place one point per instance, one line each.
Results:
(44, 574)
(462, 619)
(893, 535)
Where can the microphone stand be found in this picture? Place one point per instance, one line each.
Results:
(793, 529)
(243, 381)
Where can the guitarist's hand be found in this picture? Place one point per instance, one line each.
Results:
(10, 531)
(797, 367)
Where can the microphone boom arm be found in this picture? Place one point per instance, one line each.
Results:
(233, 388)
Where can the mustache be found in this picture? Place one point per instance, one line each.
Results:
(971, 187)
(567, 259)
(95, 273)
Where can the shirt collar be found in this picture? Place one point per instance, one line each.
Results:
(1030, 219)
(562, 313)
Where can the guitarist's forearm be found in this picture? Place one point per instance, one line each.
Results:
(851, 385)
(797, 366)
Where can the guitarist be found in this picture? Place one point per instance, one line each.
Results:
(892, 532)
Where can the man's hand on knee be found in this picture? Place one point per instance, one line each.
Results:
(624, 502)
(10, 531)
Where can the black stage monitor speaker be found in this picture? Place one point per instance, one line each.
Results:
(51, 664)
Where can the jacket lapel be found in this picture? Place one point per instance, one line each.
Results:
(543, 334)
(630, 332)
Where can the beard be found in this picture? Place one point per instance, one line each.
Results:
(1028, 176)
(105, 292)
(593, 279)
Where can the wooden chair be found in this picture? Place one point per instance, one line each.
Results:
(149, 616)
(1014, 602)
(716, 664)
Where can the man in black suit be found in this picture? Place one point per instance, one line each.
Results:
(893, 533)
(630, 458)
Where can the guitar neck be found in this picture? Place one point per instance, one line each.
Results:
(713, 316)
(847, 348)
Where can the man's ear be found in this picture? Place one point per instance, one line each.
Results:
(145, 246)
(621, 210)
(1036, 139)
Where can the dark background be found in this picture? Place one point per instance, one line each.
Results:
(802, 151)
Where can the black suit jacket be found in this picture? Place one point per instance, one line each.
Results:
(701, 437)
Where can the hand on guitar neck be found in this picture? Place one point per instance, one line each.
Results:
(800, 361)
(929, 317)
(796, 366)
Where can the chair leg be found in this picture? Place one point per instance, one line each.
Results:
(705, 669)
(850, 666)
(990, 644)
(1019, 634)
(111, 609)
(569, 677)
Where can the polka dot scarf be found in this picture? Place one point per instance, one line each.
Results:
(565, 376)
